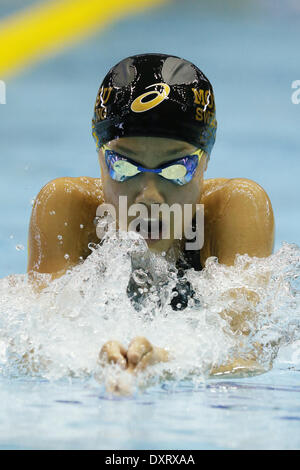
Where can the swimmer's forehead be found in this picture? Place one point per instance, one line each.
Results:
(160, 149)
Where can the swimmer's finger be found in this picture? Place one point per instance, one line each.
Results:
(113, 352)
(118, 386)
(138, 347)
(151, 358)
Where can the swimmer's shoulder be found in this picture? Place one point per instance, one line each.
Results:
(238, 219)
(217, 190)
(213, 184)
(78, 188)
(62, 222)
(69, 202)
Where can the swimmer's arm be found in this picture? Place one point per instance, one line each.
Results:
(241, 323)
(239, 219)
(61, 227)
(240, 367)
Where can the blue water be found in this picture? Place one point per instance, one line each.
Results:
(260, 413)
(250, 53)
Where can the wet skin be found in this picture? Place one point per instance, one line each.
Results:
(148, 188)
(238, 219)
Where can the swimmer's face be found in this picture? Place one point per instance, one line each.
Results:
(150, 188)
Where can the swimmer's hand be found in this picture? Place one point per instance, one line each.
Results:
(140, 354)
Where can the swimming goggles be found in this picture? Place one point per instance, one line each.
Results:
(179, 171)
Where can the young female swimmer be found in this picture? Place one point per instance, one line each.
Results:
(154, 125)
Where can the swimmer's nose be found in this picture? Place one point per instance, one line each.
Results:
(149, 192)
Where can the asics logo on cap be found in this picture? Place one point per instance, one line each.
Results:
(140, 106)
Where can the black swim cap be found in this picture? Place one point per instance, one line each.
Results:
(156, 95)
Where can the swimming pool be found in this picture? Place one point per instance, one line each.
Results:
(249, 53)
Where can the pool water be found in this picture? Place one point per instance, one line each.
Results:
(55, 396)
(258, 413)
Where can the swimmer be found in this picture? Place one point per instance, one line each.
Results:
(154, 125)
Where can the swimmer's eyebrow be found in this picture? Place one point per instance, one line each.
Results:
(121, 149)
(178, 153)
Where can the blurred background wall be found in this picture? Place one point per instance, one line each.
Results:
(54, 54)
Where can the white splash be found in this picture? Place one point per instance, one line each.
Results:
(60, 331)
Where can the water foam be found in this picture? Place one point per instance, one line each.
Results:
(60, 331)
